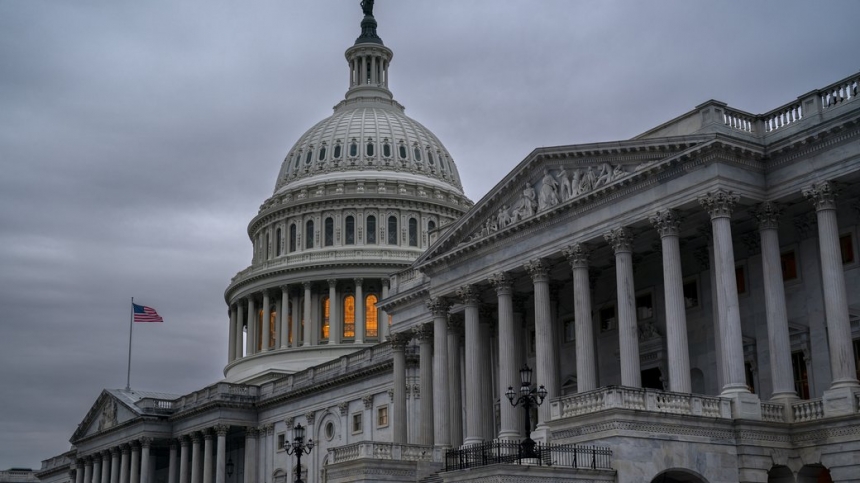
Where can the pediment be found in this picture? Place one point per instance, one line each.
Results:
(107, 412)
(550, 179)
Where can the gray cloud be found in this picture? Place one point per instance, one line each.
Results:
(137, 140)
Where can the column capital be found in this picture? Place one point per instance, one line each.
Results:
(195, 437)
(620, 239)
(455, 322)
(173, 443)
(399, 340)
(183, 440)
(310, 416)
(822, 195)
(146, 442)
(307, 285)
(207, 433)
(424, 333)
(96, 457)
(386, 283)
(368, 401)
(125, 448)
(666, 222)
(250, 432)
(343, 407)
(468, 294)
(538, 270)
(332, 283)
(438, 306)
(719, 203)
(222, 429)
(577, 255)
(106, 454)
(135, 444)
(767, 215)
(114, 451)
(358, 281)
(284, 288)
(502, 282)
(290, 422)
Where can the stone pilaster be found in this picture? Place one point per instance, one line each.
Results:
(455, 396)
(183, 459)
(307, 320)
(284, 318)
(546, 361)
(424, 333)
(621, 241)
(441, 423)
(196, 477)
(335, 321)
(251, 337)
(398, 351)
(145, 444)
(114, 465)
(207, 442)
(507, 362)
(474, 371)
(250, 475)
(171, 462)
(586, 365)
(667, 223)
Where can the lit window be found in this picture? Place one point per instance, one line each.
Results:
(326, 307)
(350, 230)
(846, 245)
(371, 230)
(382, 416)
(309, 234)
(329, 231)
(349, 317)
(788, 260)
(371, 316)
(413, 232)
(392, 230)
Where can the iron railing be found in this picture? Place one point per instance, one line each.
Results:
(510, 452)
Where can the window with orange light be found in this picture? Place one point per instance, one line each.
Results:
(371, 316)
(326, 307)
(349, 317)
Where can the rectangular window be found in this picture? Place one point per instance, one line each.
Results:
(570, 330)
(749, 377)
(382, 416)
(356, 423)
(644, 306)
(788, 260)
(281, 442)
(801, 381)
(691, 294)
(607, 318)
(740, 278)
(846, 246)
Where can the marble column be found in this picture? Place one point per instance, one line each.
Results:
(546, 373)
(207, 453)
(508, 370)
(779, 345)
(306, 316)
(485, 331)
(441, 397)
(183, 459)
(88, 469)
(79, 471)
(519, 356)
(96, 473)
(621, 240)
(335, 327)
(359, 312)
(842, 364)
(667, 223)
(251, 336)
(474, 371)
(297, 322)
(284, 316)
(221, 453)
(114, 465)
(106, 466)
(171, 464)
(398, 354)
(250, 475)
(455, 396)
(145, 444)
(719, 204)
(424, 333)
(240, 324)
(134, 472)
(124, 464)
(382, 319)
(231, 335)
(195, 458)
(586, 367)
(267, 326)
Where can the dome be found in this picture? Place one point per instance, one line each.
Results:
(373, 136)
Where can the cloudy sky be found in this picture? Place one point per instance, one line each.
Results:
(137, 139)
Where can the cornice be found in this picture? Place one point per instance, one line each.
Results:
(811, 143)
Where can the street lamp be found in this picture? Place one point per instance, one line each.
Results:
(299, 448)
(529, 397)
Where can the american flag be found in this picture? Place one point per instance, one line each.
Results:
(143, 313)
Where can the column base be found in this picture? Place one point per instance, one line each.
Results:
(542, 434)
(508, 435)
(745, 405)
(840, 401)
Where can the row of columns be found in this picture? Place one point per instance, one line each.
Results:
(440, 404)
(368, 69)
(306, 323)
(126, 463)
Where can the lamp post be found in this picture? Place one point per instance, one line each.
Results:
(529, 396)
(299, 448)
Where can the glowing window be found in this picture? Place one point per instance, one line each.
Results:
(350, 230)
(326, 306)
(392, 230)
(371, 230)
(371, 318)
(309, 234)
(349, 317)
(329, 231)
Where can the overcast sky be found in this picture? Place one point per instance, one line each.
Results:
(138, 139)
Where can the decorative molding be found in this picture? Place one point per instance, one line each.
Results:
(767, 215)
(719, 203)
(577, 255)
(620, 239)
(468, 295)
(538, 270)
(438, 306)
(502, 282)
(666, 222)
(822, 195)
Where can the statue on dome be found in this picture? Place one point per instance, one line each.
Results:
(367, 7)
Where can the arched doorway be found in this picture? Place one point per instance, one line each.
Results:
(780, 474)
(814, 474)
(678, 476)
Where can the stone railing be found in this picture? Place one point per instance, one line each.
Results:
(15, 475)
(808, 410)
(384, 451)
(616, 397)
(840, 92)
(772, 412)
(222, 391)
(154, 405)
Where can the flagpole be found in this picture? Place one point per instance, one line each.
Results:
(130, 325)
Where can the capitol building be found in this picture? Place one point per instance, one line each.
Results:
(688, 299)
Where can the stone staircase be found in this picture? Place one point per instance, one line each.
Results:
(431, 478)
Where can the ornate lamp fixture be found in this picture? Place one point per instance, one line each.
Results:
(529, 397)
(299, 448)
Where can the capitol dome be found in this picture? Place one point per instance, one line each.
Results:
(360, 196)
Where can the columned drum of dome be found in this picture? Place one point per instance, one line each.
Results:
(359, 196)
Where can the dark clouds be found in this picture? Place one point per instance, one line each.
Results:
(137, 139)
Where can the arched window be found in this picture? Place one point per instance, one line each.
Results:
(309, 234)
(296, 162)
(309, 155)
(430, 158)
(353, 149)
(322, 153)
(349, 317)
(292, 237)
(371, 230)
(402, 151)
(392, 230)
(371, 316)
(350, 230)
(337, 151)
(386, 149)
(326, 310)
(417, 153)
(431, 225)
(278, 239)
(267, 248)
(413, 232)
(443, 162)
(329, 231)
(368, 148)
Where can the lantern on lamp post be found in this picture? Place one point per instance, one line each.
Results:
(528, 397)
(298, 448)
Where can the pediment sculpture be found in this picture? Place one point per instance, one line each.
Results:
(107, 419)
